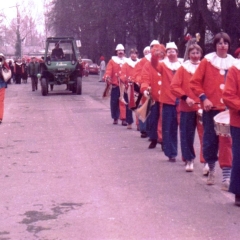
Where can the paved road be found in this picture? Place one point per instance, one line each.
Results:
(67, 173)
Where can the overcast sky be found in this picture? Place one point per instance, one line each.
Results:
(35, 8)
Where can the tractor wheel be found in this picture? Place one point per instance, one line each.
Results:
(79, 86)
(44, 86)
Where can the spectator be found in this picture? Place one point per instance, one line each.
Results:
(18, 71)
(102, 68)
(33, 70)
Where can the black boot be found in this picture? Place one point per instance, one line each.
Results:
(153, 144)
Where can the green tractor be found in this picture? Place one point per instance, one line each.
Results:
(62, 65)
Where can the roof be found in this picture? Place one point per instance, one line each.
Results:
(60, 38)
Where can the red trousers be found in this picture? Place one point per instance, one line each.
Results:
(2, 95)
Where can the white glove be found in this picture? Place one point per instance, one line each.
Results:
(146, 94)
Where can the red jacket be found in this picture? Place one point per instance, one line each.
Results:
(151, 78)
(180, 86)
(128, 70)
(114, 68)
(167, 70)
(139, 67)
(209, 78)
(231, 94)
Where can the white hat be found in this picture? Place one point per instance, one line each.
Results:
(2, 55)
(146, 49)
(154, 42)
(119, 47)
(171, 45)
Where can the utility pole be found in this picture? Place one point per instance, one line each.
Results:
(18, 50)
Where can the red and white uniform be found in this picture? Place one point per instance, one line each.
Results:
(209, 79)
(139, 67)
(127, 74)
(128, 70)
(231, 94)
(180, 86)
(114, 69)
(151, 78)
(167, 70)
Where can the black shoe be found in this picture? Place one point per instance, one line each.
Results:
(124, 123)
(143, 135)
(172, 159)
(237, 200)
(153, 144)
(115, 121)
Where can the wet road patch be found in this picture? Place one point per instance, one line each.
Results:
(2, 237)
(32, 217)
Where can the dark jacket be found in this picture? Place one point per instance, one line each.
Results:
(33, 69)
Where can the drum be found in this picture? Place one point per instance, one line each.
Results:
(222, 124)
(199, 113)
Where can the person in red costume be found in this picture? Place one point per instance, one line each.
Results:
(208, 83)
(188, 107)
(137, 79)
(231, 97)
(112, 76)
(127, 78)
(151, 79)
(3, 85)
(170, 110)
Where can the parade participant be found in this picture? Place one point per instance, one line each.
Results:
(102, 68)
(167, 69)
(146, 58)
(24, 71)
(231, 97)
(33, 70)
(188, 107)
(208, 83)
(151, 79)
(18, 71)
(112, 76)
(137, 79)
(126, 78)
(3, 67)
(146, 50)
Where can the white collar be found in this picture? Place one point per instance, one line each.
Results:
(148, 57)
(132, 63)
(118, 60)
(190, 67)
(220, 63)
(18, 63)
(174, 66)
(237, 64)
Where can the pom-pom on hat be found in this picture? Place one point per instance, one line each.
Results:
(154, 42)
(171, 45)
(236, 53)
(119, 47)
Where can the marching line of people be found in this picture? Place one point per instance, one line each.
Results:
(19, 71)
(169, 94)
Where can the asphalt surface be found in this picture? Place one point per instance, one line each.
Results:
(68, 173)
